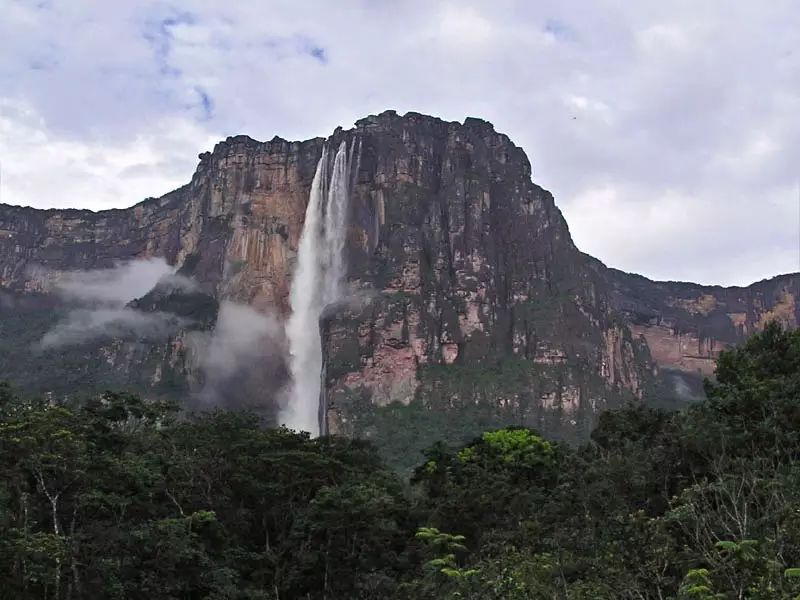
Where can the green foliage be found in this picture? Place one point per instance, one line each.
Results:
(518, 447)
(792, 573)
(439, 541)
(118, 498)
(404, 432)
(697, 585)
(442, 575)
(701, 503)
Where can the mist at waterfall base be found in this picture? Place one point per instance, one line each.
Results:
(318, 282)
(240, 364)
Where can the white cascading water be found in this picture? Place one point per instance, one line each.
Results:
(318, 281)
(336, 227)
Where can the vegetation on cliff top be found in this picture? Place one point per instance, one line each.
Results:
(116, 498)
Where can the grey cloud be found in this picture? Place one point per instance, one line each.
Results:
(681, 388)
(83, 325)
(119, 285)
(102, 295)
(241, 361)
(353, 301)
(687, 387)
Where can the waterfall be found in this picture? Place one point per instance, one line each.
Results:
(318, 282)
(336, 227)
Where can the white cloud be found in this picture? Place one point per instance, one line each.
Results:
(117, 286)
(673, 229)
(465, 26)
(240, 333)
(83, 325)
(101, 296)
(241, 361)
(680, 108)
(45, 169)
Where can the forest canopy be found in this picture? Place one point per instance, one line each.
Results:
(114, 497)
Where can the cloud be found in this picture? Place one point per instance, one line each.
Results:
(464, 26)
(687, 387)
(558, 30)
(318, 53)
(670, 230)
(83, 325)
(683, 107)
(102, 296)
(241, 362)
(117, 286)
(44, 168)
(239, 332)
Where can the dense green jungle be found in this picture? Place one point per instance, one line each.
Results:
(112, 497)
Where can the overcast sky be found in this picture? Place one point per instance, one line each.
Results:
(668, 131)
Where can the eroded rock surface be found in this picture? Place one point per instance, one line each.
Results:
(686, 325)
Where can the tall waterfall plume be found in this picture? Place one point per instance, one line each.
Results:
(318, 282)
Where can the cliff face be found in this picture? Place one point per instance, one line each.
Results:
(479, 302)
(471, 306)
(687, 325)
(234, 228)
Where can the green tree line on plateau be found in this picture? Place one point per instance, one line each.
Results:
(117, 498)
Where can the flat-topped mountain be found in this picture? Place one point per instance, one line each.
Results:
(469, 304)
